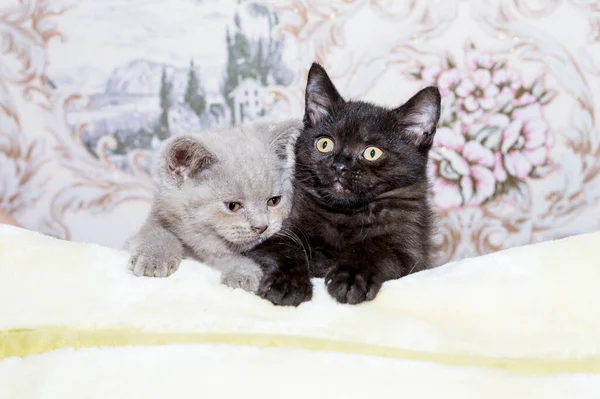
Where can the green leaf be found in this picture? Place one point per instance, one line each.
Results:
(449, 62)
(547, 96)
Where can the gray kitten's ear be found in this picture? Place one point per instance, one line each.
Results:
(185, 157)
(419, 116)
(321, 95)
(283, 141)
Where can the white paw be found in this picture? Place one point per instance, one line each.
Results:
(246, 279)
(152, 265)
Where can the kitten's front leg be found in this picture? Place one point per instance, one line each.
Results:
(155, 251)
(239, 272)
(360, 271)
(286, 279)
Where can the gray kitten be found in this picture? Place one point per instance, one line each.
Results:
(218, 193)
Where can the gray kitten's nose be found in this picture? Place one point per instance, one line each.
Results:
(260, 229)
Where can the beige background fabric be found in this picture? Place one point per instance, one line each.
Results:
(88, 90)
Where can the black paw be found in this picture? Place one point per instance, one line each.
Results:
(351, 286)
(285, 290)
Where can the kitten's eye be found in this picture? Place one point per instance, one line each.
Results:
(233, 206)
(274, 201)
(372, 153)
(324, 144)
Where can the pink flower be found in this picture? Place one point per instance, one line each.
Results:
(494, 139)
(508, 82)
(431, 73)
(448, 80)
(461, 170)
(467, 119)
(526, 142)
(499, 171)
(479, 59)
(525, 99)
(509, 78)
(488, 131)
(478, 92)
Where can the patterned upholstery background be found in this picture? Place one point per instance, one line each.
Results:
(88, 89)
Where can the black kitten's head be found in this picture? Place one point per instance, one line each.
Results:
(351, 151)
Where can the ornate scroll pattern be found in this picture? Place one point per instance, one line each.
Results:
(93, 184)
(581, 133)
(320, 28)
(568, 189)
(25, 30)
(517, 156)
(97, 185)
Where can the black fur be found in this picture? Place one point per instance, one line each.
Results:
(373, 225)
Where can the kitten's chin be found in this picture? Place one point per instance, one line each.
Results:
(247, 245)
(340, 189)
(340, 196)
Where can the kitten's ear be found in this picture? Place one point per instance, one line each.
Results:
(419, 116)
(185, 157)
(321, 95)
(283, 139)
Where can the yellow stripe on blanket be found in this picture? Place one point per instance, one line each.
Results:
(25, 342)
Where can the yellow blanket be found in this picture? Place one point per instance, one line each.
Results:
(75, 323)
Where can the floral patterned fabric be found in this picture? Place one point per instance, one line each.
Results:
(493, 136)
(89, 89)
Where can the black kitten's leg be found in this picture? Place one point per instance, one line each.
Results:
(361, 270)
(286, 279)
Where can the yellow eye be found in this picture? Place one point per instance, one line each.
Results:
(325, 144)
(233, 206)
(372, 153)
(274, 201)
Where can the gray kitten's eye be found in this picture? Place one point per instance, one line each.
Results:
(274, 201)
(233, 206)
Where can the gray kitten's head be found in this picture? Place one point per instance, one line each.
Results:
(233, 183)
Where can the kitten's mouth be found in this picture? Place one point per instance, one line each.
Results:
(260, 238)
(256, 240)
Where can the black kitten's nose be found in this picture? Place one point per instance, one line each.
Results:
(338, 167)
(259, 229)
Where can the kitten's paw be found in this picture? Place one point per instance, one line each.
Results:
(284, 290)
(153, 266)
(351, 286)
(246, 279)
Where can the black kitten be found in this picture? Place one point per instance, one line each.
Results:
(360, 214)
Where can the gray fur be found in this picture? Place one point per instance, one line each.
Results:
(195, 176)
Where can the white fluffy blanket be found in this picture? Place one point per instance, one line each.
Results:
(75, 323)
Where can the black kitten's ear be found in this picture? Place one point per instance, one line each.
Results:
(321, 95)
(185, 157)
(419, 116)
